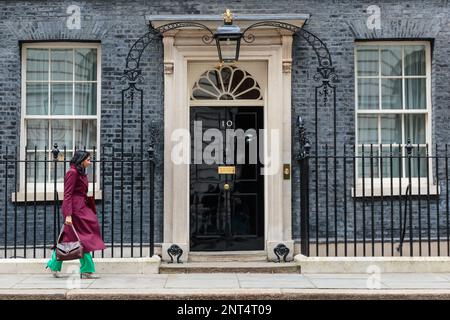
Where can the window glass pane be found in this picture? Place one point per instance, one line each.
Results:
(391, 61)
(391, 92)
(367, 129)
(415, 128)
(391, 129)
(391, 159)
(37, 99)
(418, 163)
(62, 165)
(62, 133)
(202, 95)
(368, 94)
(37, 64)
(85, 134)
(37, 134)
(369, 160)
(415, 94)
(36, 167)
(86, 98)
(207, 85)
(86, 64)
(247, 84)
(61, 94)
(90, 169)
(61, 64)
(415, 61)
(226, 74)
(367, 60)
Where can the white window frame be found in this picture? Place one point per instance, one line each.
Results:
(382, 186)
(23, 133)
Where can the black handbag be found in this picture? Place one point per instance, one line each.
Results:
(69, 250)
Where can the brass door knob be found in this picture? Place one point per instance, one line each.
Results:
(226, 186)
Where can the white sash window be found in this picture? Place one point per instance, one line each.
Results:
(60, 104)
(393, 104)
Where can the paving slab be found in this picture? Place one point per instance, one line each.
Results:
(47, 281)
(8, 281)
(268, 276)
(346, 284)
(446, 276)
(300, 284)
(130, 281)
(336, 275)
(273, 281)
(202, 281)
(413, 277)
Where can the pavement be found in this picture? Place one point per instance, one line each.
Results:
(234, 286)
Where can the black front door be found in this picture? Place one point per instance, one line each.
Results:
(226, 198)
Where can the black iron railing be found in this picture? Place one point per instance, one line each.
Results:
(374, 200)
(121, 181)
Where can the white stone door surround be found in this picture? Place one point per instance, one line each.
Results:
(273, 47)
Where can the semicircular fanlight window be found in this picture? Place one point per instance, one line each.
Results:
(226, 83)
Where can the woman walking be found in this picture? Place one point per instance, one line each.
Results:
(77, 213)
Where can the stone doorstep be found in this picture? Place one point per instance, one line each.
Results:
(228, 256)
(228, 267)
(372, 265)
(102, 265)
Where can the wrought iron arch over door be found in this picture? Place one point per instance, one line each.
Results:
(325, 75)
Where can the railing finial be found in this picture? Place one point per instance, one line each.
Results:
(55, 152)
(409, 147)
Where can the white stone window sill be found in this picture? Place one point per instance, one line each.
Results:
(48, 196)
(419, 187)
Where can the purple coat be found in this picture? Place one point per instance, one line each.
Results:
(83, 218)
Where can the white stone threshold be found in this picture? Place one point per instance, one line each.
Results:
(102, 266)
(372, 265)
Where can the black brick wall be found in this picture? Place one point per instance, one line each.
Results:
(118, 23)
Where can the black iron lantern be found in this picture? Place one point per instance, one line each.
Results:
(228, 39)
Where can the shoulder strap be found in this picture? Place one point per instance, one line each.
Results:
(62, 230)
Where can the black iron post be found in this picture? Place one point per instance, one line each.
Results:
(55, 153)
(5, 232)
(409, 149)
(151, 158)
(303, 161)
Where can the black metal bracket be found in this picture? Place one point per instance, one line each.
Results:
(207, 38)
(281, 250)
(305, 145)
(175, 250)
